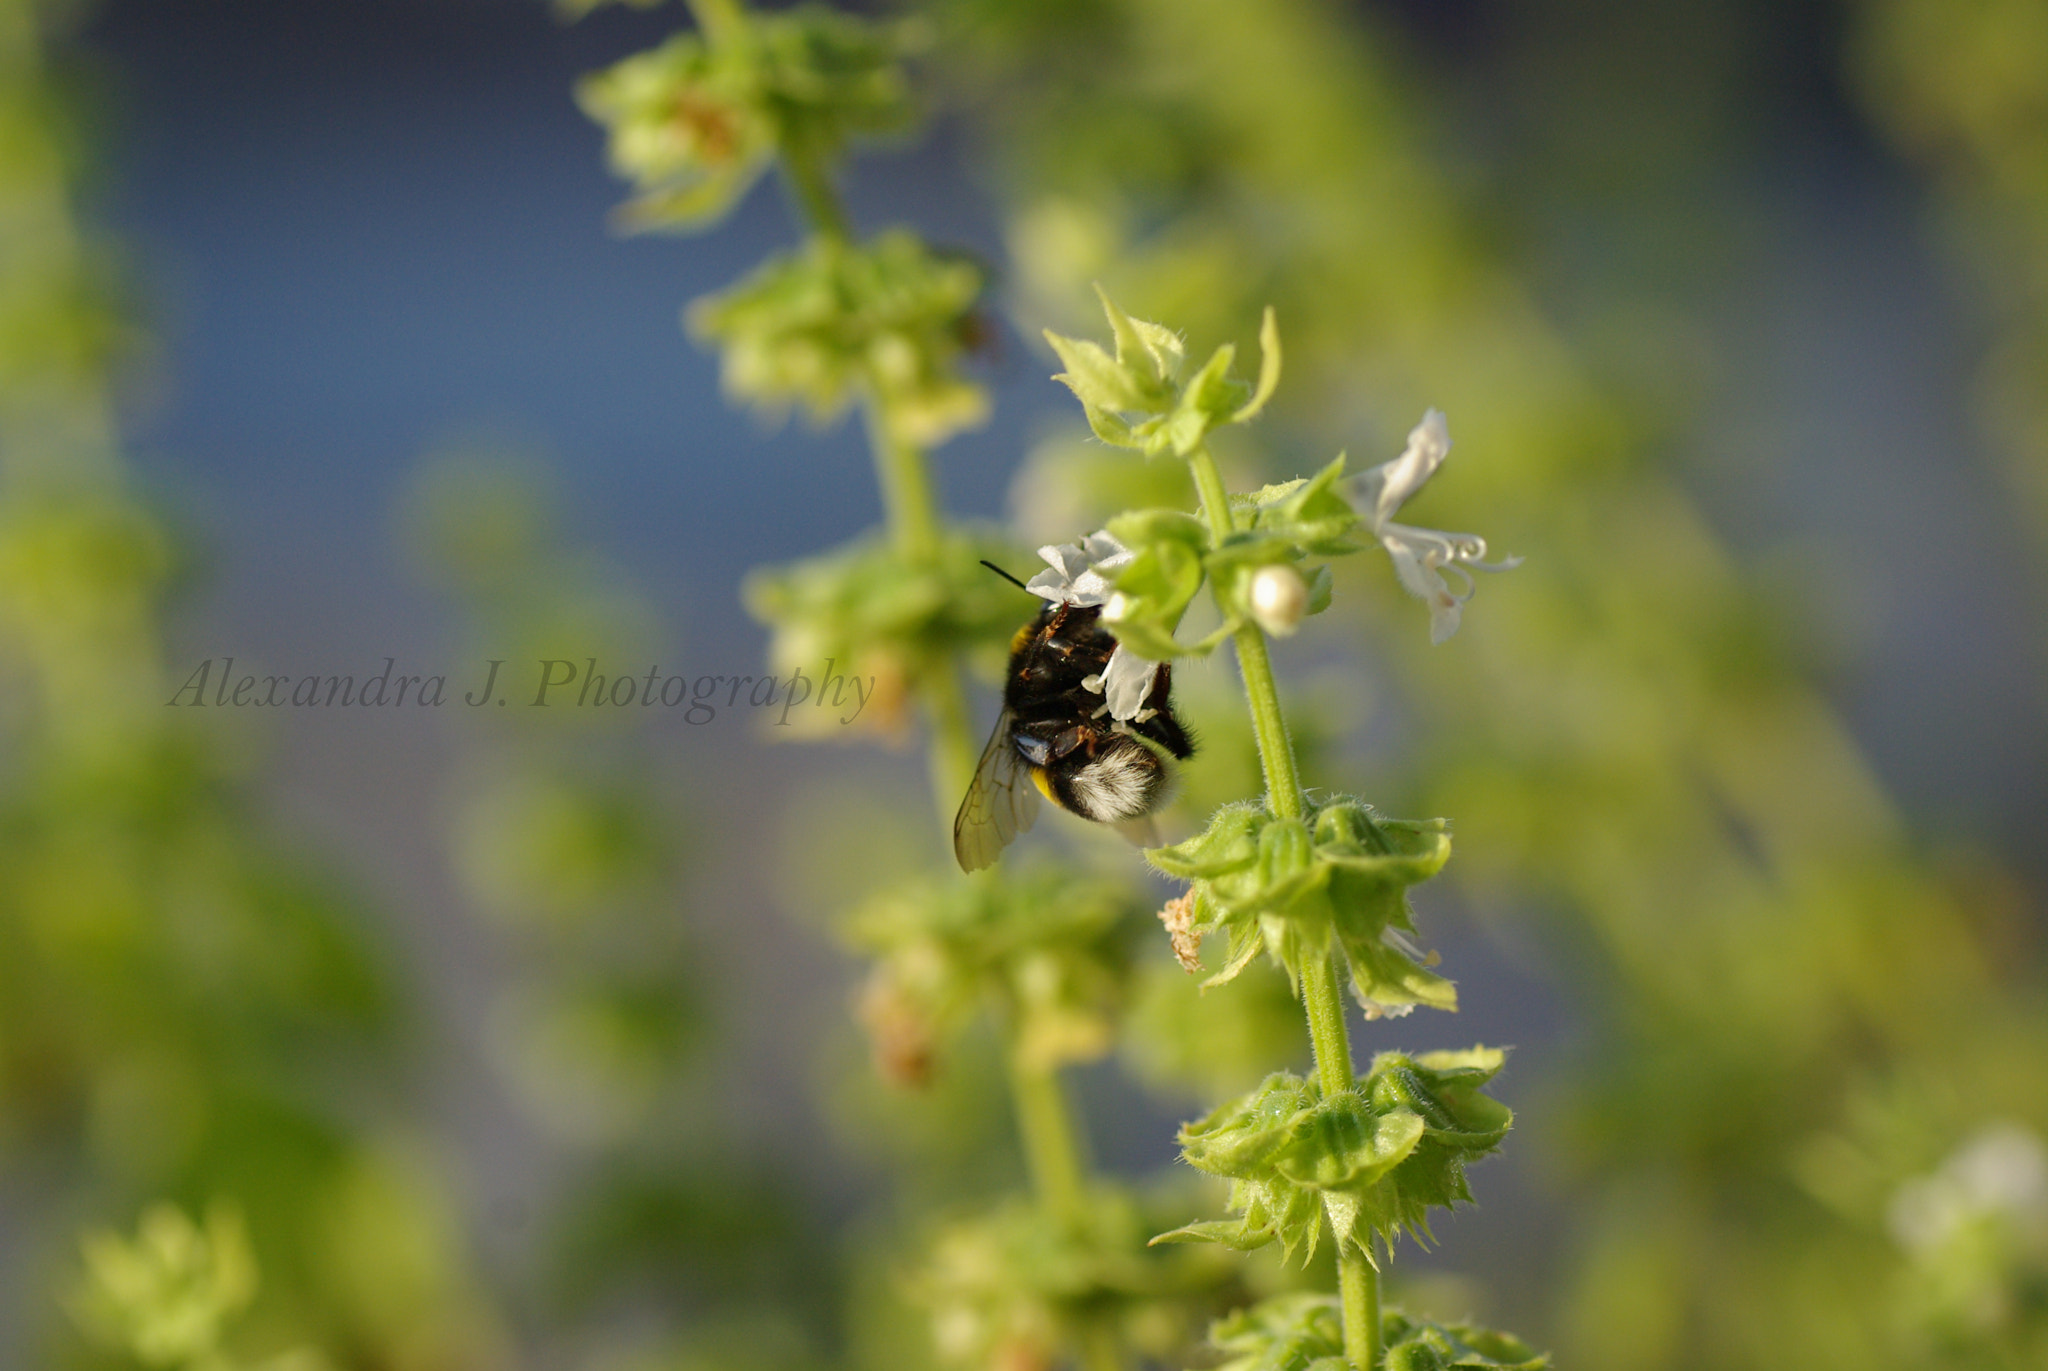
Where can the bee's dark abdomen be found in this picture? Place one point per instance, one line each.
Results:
(1123, 780)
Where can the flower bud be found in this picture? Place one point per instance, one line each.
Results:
(1279, 597)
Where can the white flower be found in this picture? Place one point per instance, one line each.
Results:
(1081, 574)
(1422, 555)
(2001, 1173)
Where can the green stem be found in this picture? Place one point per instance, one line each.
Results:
(953, 756)
(1050, 1149)
(1321, 997)
(812, 189)
(1359, 1284)
(1269, 725)
(908, 502)
(1324, 1003)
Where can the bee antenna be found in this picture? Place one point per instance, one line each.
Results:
(1005, 575)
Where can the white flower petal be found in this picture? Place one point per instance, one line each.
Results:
(1388, 486)
(1126, 681)
(1049, 585)
(1081, 572)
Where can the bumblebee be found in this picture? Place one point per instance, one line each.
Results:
(1056, 732)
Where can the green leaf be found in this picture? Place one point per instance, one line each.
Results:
(1229, 1232)
(1312, 515)
(1161, 580)
(1109, 428)
(1269, 368)
(1098, 380)
(1209, 398)
(1140, 527)
(1320, 583)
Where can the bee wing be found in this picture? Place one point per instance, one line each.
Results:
(1139, 832)
(1001, 802)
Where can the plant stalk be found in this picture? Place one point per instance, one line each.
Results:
(1269, 725)
(1046, 1129)
(1322, 1000)
(1045, 1125)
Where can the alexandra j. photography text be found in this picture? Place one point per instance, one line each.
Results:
(545, 682)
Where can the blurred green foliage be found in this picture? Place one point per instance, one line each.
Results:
(1963, 90)
(188, 1009)
(1629, 743)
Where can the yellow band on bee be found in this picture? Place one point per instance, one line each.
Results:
(1043, 781)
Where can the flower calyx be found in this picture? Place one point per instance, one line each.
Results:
(833, 321)
(1048, 945)
(1372, 1160)
(1018, 1286)
(1305, 1332)
(866, 623)
(695, 122)
(1287, 887)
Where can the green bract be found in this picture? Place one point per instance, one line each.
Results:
(1046, 944)
(1373, 1159)
(1299, 1332)
(1304, 1332)
(1422, 1346)
(1015, 1287)
(1136, 398)
(1288, 886)
(1155, 589)
(867, 612)
(695, 122)
(165, 1297)
(1173, 551)
(819, 326)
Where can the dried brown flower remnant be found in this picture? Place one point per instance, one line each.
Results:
(900, 1035)
(1179, 918)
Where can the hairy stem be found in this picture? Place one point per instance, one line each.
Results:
(1359, 1284)
(1276, 750)
(1322, 999)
